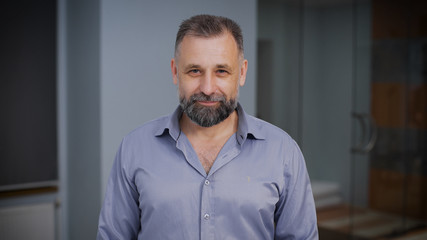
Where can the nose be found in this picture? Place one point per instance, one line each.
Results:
(207, 84)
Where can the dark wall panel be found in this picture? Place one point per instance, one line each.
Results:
(28, 145)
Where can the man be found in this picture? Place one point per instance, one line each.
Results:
(209, 170)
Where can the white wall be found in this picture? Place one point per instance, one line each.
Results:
(137, 44)
(114, 76)
(82, 81)
(30, 221)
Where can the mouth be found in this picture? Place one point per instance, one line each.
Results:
(208, 103)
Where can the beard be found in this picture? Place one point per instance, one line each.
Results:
(206, 116)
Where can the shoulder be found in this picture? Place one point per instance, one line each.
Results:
(140, 144)
(273, 139)
(267, 130)
(147, 131)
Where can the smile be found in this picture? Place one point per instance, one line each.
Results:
(207, 103)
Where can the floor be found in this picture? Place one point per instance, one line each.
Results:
(335, 223)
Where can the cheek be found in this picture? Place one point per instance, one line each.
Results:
(230, 88)
(186, 89)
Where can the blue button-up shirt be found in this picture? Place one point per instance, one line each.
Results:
(258, 187)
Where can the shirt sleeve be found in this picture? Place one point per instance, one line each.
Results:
(119, 217)
(295, 215)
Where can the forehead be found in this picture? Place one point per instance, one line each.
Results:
(203, 48)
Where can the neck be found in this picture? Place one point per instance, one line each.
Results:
(219, 131)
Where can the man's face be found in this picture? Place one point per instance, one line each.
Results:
(208, 72)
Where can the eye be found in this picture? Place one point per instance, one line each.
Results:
(194, 72)
(222, 72)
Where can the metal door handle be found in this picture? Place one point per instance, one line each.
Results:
(366, 121)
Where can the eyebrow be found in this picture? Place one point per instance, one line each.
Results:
(224, 66)
(190, 66)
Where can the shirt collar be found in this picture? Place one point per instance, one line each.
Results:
(171, 125)
(248, 127)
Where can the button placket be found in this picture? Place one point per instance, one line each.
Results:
(206, 210)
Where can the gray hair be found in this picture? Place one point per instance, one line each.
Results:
(209, 26)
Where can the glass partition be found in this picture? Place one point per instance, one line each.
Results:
(348, 81)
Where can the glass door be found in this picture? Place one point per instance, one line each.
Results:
(348, 81)
(389, 177)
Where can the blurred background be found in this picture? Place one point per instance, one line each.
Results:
(347, 79)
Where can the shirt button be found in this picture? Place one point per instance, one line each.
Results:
(207, 182)
(206, 216)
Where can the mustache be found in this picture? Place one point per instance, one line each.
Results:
(204, 97)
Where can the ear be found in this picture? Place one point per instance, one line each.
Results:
(243, 70)
(174, 71)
